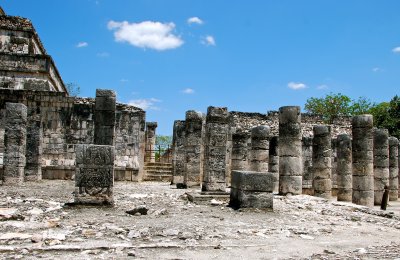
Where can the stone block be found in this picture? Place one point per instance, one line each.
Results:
(289, 114)
(104, 118)
(217, 114)
(290, 166)
(251, 199)
(362, 121)
(364, 198)
(290, 184)
(363, 183)
(105, 93)
(344, 194)
(105, 104)
(253, 181)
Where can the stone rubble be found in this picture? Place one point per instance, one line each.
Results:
(176, 228)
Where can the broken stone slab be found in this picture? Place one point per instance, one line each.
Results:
(10, 214)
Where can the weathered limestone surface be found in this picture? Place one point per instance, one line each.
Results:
(273, 164)
(393, 168)
(239, 151)
(24, 61)
(259, 152)
(151, 141)
(307, 149)
(363, 158)
(94, 174)
(321, 160)
(252, 189)
(104, 117)
(15, 143)
(178, 152)
(344, 168)
(334, 164)
(216, 137)
(34, 140)
(245, 121)
(290, 159)
(193, 148)
(381, 163)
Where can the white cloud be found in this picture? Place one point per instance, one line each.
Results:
(124, 80)
(145, 103)
(188, 91)
(376, 69)
(323, 86)
(195, 19)
(396, 50)
(209, 41)
(147, 34)
(296, 85)
(103, 54)
(82, 44)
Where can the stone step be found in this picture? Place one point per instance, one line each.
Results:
(156, 177)
(158, 169)
(157, 164)
(159, 172)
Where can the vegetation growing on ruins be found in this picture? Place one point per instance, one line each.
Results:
(73, 89)
(163, 144)
(332, 106)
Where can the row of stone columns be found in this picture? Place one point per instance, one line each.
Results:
(362, 164)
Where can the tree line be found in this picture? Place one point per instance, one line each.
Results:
(332, 106)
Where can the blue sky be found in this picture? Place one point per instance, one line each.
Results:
(251, 56)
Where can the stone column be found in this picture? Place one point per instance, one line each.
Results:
(239, 151)
(290, 161)
(94, 174)
(34, 139)
(344, 168)
(334, 165)
(363, 166)
(322, 161)
(151, 141)
(393, 169)
(259, 153)
(193, 148)
(307, 164)
(216, 137)
(273, 162)
(104, 117)
(381, 163)
(14, 143)
(178, 152)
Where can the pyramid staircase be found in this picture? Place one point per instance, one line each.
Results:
(158, 171)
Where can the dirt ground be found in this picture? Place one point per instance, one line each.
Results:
(34, 223)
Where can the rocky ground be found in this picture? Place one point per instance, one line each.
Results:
(35, 223)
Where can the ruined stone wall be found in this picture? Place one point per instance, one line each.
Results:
(243, 122)
(66, 121)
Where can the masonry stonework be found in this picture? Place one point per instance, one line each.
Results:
(344, 168)
(393, 168)
(290, 159)
(363, 167)
(381, 163)
(321, 162)
(15, 143)
(216, 138)
(193, 148)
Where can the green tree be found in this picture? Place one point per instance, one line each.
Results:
(361, 106)
(163, 143)
(329, 107)
(387, 115)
